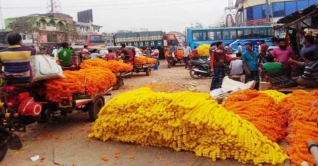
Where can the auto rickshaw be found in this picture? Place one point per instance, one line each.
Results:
(178, 58)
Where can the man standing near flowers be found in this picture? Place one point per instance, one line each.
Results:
(217, 64)
(282, 54)
(250, 65)
(186, 53)
(65, 56)
(16, 60)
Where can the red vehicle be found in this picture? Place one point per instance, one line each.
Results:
(22, 105)
(91, 40)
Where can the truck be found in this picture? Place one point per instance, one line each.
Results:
(91, 40)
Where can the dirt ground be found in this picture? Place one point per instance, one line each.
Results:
(64, 142)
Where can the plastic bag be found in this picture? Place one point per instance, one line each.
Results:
(45, 67)
(229, 86)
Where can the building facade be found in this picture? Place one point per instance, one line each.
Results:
(254, 12)
(84, 29)
(109, 39)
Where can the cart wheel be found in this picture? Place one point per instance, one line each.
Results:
(94, 108)
(3, 151)
(148, 71)
(46, 114)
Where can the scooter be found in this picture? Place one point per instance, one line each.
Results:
(8, 141)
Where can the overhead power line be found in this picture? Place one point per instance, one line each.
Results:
(126, 5)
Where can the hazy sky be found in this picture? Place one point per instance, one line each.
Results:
(113, 15)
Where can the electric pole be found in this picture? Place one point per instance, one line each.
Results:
(54, 6)
(267, 12)
(2, 26)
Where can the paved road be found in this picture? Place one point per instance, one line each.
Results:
(64, 142)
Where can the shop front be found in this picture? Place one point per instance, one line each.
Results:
(295, 24)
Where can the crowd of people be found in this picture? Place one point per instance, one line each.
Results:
(279, 63)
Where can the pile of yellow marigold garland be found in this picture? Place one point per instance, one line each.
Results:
(113, 65)
(203, 50)
(302, 108)
(259, 109)
(277, 96)
(184, 121)
(88, 81)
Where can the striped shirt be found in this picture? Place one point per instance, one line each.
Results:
(16, 62)
(311, 70)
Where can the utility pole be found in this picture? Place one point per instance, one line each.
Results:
(1, 19)
(52, 6)
(267, 12)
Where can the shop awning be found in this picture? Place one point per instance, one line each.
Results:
(299, 16)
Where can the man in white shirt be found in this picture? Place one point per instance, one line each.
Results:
(274, 45)
(186, 53)
(236, 67)
(54, 53)
(239, 48)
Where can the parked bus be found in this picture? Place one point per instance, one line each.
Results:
(91, 40)
(141, 40)
(230, 35)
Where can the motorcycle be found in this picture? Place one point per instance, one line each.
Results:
(8, 141)
(200, 68)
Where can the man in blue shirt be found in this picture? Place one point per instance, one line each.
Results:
(309, 46)
(173, 50)
(94, 54)
(250, 65)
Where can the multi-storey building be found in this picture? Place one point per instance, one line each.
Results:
(266, 12)
(50, 28)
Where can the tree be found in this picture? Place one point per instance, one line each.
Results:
(70, 31)
(24, 25)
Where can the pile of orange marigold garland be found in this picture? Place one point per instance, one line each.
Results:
(113, 65)
(261, 110)
(144, 60)
(302, 108)
(88, 81)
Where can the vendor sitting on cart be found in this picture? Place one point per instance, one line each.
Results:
(16, 60)
(85, 52)
(310, 77)
(65, 56)
(275, 72)
(195, 54)
(173, 51)
(110, 56)
(125, 52)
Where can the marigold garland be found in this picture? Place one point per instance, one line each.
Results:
(113, 65)
(203, 50)
(144, 60)
(302, 108)
(88, 81)
(140, 60)
(261, 110)
(277, 96)
(184, 121)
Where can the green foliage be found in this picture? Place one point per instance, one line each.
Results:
(23, 25)
(70, 30)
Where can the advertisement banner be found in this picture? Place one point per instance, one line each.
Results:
(229, 19)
